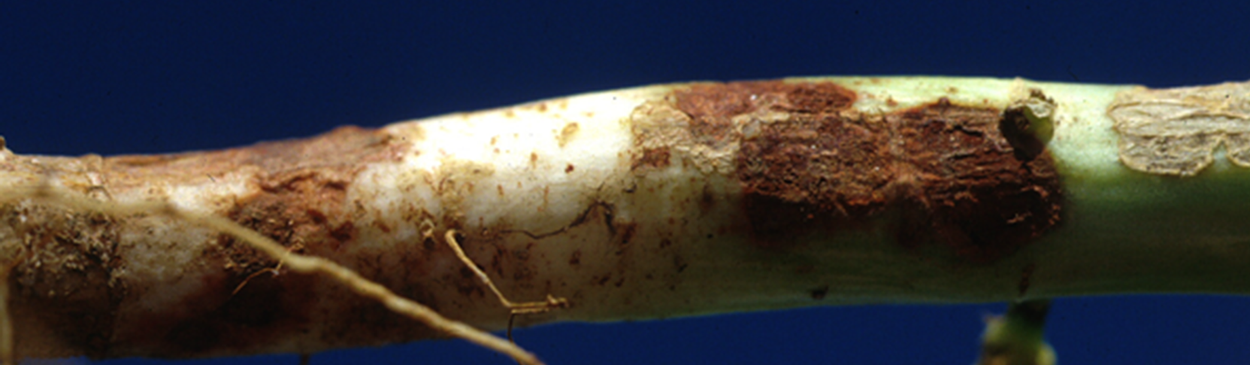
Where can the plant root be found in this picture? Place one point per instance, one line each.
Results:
(47, 193)
(514, 309)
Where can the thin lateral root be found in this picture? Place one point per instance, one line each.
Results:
(514, 309)
(295, 262)
(274, 271)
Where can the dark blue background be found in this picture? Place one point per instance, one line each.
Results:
(145, 77)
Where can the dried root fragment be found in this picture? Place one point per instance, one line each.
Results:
(515, 309)
(299, 263)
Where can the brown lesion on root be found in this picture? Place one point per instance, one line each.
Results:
(66, 270)
(301, 202)
(343, 151)
(969, 188)
(294, 206)
(652, 158)
(969, 178)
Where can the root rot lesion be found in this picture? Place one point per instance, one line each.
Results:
(67, 266)
(807, 161)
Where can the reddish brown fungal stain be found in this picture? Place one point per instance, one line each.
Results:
(381, 226)
(576, 258)
(533, 159)
(948, 170)
(568, 169)
(711, 106)
(976, 192)
(302, 181)
(652, 158)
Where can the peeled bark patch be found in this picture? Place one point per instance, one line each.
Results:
(1176, 131)
(940, 173)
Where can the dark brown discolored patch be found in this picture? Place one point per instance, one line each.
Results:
(653, 158)
(707, 200)
(67, 278)
(948, 173)
(344, 150)
(305, 183)
(711, 106)
(820, 293)
(1026, 278)
(627, 232)
(968, 187)
(264, 305)
(717, 102)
